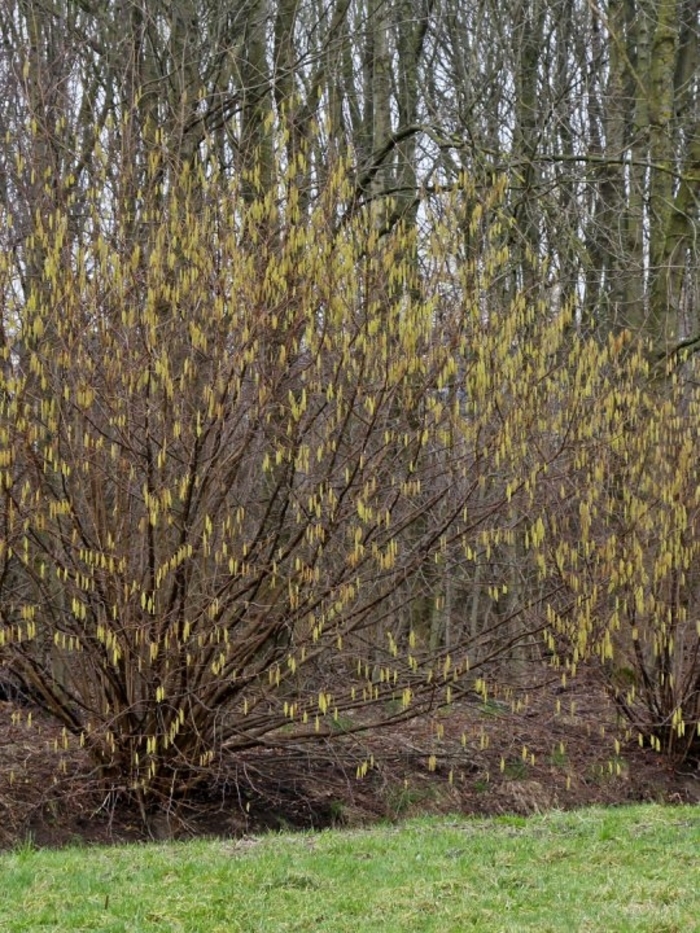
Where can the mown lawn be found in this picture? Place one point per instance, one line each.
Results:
(634, 868)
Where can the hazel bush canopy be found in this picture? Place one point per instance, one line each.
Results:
(263, 467)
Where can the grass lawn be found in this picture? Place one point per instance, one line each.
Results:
(633, 868)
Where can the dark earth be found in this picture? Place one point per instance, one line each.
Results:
(474, 758)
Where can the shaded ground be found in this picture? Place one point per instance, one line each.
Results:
(474, 758)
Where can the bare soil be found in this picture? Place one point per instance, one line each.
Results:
(562, 749)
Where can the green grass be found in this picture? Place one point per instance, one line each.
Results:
(601, 870)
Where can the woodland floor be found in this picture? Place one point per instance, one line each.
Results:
(482, 763)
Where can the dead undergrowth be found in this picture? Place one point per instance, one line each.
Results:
(562, 749)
